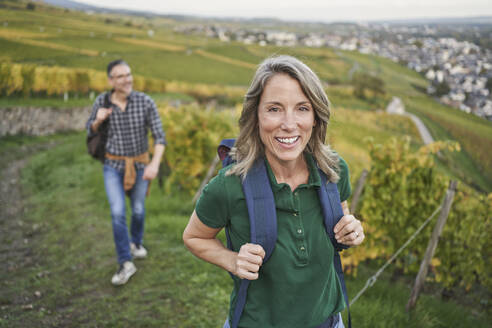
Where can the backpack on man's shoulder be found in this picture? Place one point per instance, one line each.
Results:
(96, 143)
(263, 218)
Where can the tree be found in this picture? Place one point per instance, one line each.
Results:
(364, 81)
(442, 89)
(418, 44)
(488, 85)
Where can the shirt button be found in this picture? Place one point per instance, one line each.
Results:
(295, 213)
(299, 231)
(296, 193)
(302, 248)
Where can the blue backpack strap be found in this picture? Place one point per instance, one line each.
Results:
(332, 208)
(223, 151)
(261, 207)
(332, 213)
(263, 222)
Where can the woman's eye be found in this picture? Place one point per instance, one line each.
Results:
(273, 109)
(304, 108)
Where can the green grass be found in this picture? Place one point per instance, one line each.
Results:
(55, 102)
(11, 147)
(383, 304)
(236, 51)
(348, 130)
(342, 96)
(81, 101)
(68, 234)
(171, 96)
(23, 53)
(75, 257)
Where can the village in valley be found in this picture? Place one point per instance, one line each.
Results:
(459, 72)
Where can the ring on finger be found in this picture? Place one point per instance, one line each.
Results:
(356, 234)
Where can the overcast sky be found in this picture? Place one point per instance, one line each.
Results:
(309, 10)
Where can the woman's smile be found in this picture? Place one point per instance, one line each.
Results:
(287, 140)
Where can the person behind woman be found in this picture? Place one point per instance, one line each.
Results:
(284, 123)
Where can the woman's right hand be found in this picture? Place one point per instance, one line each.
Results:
(248, 261)
(201, 240)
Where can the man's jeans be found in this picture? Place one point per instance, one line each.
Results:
(113, 181)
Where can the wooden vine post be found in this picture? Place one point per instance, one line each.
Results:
(358, 190)
(210, 172)
(431, 247)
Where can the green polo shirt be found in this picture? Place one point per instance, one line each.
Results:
(298, 285)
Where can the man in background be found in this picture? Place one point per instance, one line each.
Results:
(127, 168)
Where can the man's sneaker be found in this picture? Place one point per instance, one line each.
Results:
(138, 251)
(124, 273)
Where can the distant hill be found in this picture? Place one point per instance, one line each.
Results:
(72, 5)
(478, 20)
(75, 5)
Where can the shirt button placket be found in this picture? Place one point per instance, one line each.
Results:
(299, 230)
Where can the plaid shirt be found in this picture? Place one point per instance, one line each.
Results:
(128, 129)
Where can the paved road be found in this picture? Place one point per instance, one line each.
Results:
(396, 107)
(424, 132)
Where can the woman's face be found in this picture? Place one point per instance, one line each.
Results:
(286, 120)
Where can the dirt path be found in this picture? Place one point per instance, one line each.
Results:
(16, 233)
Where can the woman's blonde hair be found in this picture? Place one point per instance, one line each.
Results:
(248, 145)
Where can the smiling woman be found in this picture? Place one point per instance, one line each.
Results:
(286, 121)
(303, 88)
(282, 132)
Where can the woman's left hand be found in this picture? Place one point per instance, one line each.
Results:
(349, 231)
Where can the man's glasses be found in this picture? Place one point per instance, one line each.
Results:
(121, 76)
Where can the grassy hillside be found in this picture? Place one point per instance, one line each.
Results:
(347, 135)
(474, 163)
(50, 36)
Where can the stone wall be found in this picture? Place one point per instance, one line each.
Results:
(41, 121)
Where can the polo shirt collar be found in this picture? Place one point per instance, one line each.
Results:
(314, 178)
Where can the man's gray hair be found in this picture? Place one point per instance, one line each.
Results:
(114, 63)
